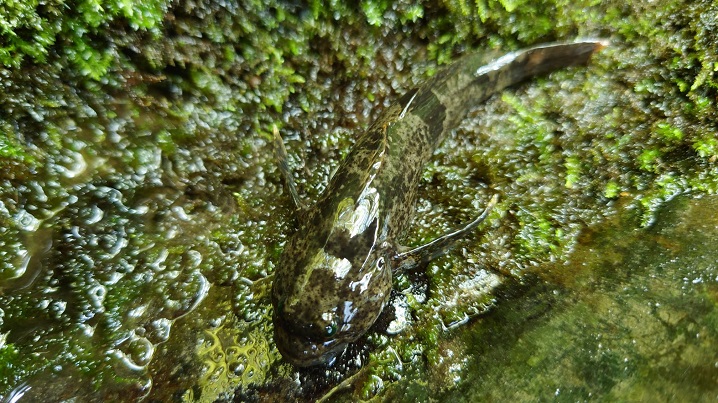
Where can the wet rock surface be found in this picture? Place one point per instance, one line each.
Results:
(142, 211)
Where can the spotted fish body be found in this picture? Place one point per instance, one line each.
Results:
(335, 274)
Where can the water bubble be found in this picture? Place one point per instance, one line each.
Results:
(113, 244)
(159, 263)
(200, 294)
(195, 258)
(207, 368)
(217, 355)
(77, 165)
(57, 308)
(137, 312)
(139, 354)
(140, 351)
(232, 352)
(26, 221)
(97, 295)
(141, 388)
(217, 373)
(92, 215)
(236, 368)
(159, 330)
(140, 331)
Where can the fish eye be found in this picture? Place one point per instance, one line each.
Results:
(331, 329)
(380, 263)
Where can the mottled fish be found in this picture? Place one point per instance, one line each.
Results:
(335, 274)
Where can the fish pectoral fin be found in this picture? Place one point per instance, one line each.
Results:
(412, 258)
(280, 153)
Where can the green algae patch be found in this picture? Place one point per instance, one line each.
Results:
(143, 212)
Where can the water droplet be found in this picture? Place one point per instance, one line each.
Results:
(216, 356)
(39, 194)
(23, 259)
(87, 330)
(180, 213)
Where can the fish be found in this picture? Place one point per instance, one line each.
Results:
(334, 276)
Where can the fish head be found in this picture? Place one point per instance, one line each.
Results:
(328, 292)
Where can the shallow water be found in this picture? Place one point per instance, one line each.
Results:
(630, 316)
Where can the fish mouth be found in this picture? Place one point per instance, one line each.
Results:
(302, 351)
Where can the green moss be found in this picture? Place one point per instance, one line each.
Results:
(611, 190)
(18, 16)
(9, 148)
(9, 370)
(649, 159)
(573, 171)
(532, 128)
(668, 132)
(374, 11)
(707, 148)
(31, 29)
(538, 237)
(16, 366)
(412, 13)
